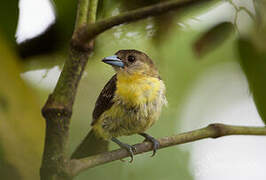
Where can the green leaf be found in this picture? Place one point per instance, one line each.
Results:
(253, 63)
(8, 20)
(21, 124)
(213, 38)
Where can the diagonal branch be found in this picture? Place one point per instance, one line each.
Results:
(92, 30)
(211, 131)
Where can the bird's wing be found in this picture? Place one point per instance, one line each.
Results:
(104, 101)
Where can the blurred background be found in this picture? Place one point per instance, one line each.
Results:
(212, 58)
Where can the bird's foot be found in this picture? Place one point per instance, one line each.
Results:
(130, 149)
(151, 139)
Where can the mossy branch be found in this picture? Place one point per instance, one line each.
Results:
(58, 108)
(211, 131)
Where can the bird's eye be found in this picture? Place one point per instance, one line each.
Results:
(131, 58)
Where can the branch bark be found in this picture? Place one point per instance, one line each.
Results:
(58, 109)
(211, 131)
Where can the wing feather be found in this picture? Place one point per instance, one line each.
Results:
(104, 101)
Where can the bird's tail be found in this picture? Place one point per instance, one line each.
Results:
(91, 145)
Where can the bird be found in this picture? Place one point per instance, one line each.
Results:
(130, 103)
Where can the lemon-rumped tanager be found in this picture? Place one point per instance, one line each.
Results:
(130, 103)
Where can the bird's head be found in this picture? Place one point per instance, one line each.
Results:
(132, 62)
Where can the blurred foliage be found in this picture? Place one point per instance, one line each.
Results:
(21, 125)
(213, 38)
(252, 53)
(57, 36)
(253, 63)
(167, 39)
(8, 20)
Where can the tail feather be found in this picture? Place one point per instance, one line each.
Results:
(91, 145)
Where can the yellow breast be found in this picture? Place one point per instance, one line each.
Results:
(137, 89)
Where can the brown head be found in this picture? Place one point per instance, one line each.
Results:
(132, 61)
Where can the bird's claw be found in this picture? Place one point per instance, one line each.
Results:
(131, 150)
(154, 142)
(156, 146)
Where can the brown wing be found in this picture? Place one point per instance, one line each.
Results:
(104, 101)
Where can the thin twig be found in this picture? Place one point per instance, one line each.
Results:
(92, 11)
(82, 14)
(211, 131)
(91, 31)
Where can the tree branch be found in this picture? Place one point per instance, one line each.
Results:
(92, 11)
(82, 14)
(58, 109)
(211, 131)
(92, 30)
